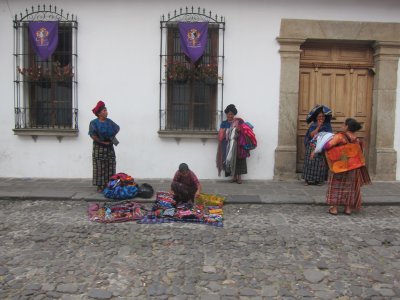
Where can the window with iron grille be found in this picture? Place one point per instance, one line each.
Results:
(45, 95)
(191, 94)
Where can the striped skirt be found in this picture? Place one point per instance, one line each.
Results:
(104, 164)
(241, 166)
(314, 170)
(345, 188)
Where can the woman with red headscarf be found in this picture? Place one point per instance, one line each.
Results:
(103, 131)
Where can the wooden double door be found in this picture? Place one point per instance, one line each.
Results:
(339, 76)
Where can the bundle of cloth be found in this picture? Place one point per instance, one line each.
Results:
(121, 186)
(240, 141)
(319, 141)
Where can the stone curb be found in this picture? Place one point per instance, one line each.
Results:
(231, 200)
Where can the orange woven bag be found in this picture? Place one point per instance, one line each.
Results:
(345, 157)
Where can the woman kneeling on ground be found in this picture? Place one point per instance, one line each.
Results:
(185, 186)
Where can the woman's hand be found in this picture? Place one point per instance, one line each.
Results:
(312, 154)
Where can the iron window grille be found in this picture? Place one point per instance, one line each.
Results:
(191, 94)
(45, 91)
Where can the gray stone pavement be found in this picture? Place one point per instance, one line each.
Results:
(289, 249)
(251, 191)
(49, 250)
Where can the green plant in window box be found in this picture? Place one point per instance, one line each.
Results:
(177, 71)
(208, 73)
(55, 73)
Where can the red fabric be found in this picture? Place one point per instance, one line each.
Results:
(345, 188)
(98, 107)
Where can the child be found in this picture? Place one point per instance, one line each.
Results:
(185, 186)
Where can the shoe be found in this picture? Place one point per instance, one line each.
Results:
(333, 210)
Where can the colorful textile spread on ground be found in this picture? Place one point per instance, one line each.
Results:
(207, 209)
(116, 212)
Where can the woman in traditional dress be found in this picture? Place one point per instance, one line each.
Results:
(230, 157)
(315, 170)
(185, 186)
(103, 131)
(345, 188)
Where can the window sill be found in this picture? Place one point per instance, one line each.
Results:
(185, 134)
(35, 132)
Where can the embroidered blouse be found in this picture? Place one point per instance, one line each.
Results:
(105, 130)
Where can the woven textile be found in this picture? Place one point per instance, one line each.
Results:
(345, 188)
(115, 212)
(104, 164)
(314, 170)
(166, 210)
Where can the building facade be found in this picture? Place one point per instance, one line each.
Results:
(273, 59)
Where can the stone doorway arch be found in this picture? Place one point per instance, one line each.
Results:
(385, 40)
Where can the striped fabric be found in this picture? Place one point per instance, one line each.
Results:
(314, 170)
(241, 166)
(345, 188)
(104, 164)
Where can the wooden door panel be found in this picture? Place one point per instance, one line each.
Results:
(360, 87)
(305, 94)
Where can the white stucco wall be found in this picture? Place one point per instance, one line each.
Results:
(118, 48)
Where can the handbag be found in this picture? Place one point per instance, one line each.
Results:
(345, 157)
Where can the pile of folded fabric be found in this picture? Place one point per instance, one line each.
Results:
(121, 186)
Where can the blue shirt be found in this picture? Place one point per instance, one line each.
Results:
(105, 130)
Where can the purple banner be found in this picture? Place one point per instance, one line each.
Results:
(193, 37)
(44, 37)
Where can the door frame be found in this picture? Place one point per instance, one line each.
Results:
(351, 61)
(385, 41)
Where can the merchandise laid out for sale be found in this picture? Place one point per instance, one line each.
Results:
(207, 209)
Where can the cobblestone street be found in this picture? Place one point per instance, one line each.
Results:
(50, 250)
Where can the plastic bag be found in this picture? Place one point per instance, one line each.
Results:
(145, 190)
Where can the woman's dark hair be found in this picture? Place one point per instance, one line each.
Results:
(230, 108)
(352, 125)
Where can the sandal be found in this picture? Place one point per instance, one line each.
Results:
(232, 180)
(347, 211)
(333, 210)
(239, 181)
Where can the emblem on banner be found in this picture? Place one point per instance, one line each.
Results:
(42, 37)
(193, 36)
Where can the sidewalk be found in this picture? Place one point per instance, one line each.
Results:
(251, 191)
